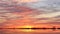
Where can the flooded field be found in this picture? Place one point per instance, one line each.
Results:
(29, 31)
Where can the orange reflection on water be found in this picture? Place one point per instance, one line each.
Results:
(27, 30)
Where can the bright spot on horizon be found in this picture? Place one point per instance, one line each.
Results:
(27, 26)
(27, 30)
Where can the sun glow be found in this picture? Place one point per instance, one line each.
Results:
(27, 30)
(27, 26)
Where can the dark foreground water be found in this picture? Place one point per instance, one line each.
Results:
(29, 31)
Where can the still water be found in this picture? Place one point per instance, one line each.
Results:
(29, 31)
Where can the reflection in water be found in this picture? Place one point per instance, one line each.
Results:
(29, 31)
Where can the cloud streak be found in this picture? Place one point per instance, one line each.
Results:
(16, 14)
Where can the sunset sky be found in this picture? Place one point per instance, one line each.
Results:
(29, 12)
